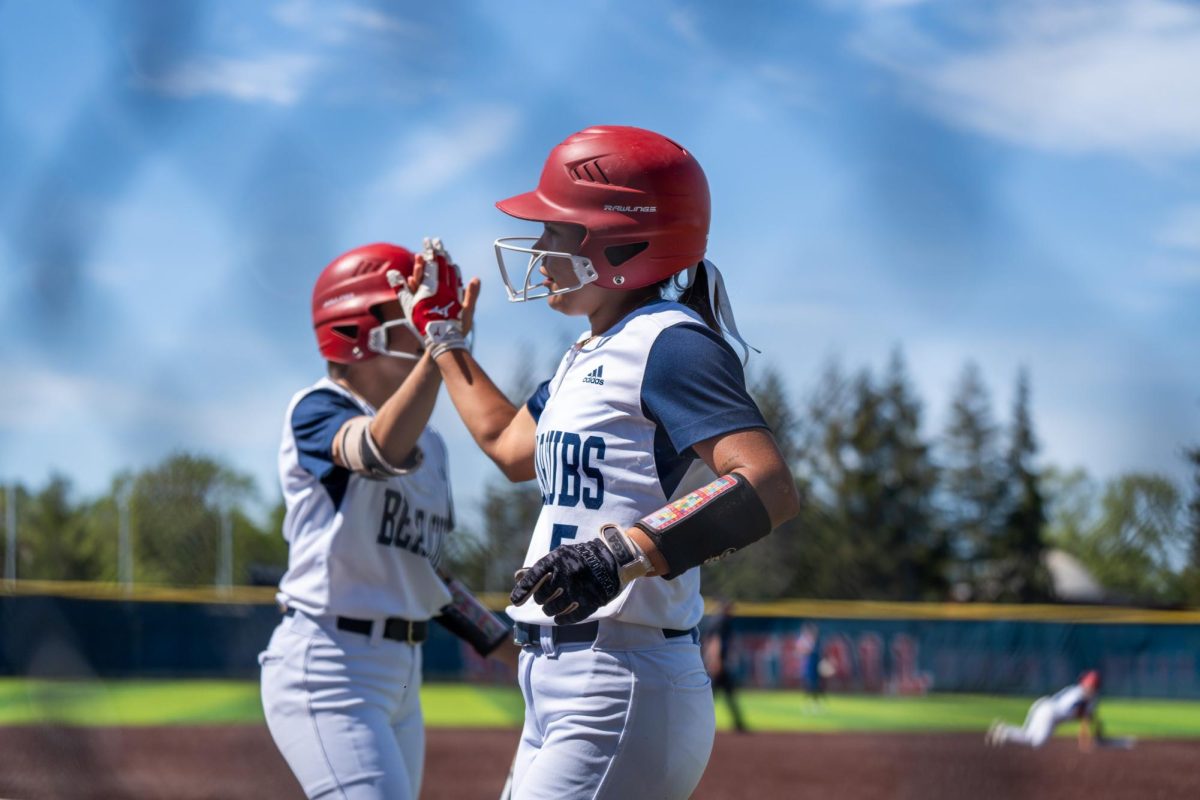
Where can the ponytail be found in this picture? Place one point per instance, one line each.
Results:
(704, 292)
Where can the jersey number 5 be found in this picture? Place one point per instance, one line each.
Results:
(560, 532)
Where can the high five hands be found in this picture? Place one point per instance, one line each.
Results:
(434, 299)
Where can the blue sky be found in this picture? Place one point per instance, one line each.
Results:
(1016, 183)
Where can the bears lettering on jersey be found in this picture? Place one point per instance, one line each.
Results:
(416, 532)
(568, 469)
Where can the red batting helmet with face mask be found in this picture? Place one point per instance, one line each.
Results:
(346, 291)
(641, 199)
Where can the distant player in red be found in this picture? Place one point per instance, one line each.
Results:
(1075, 702)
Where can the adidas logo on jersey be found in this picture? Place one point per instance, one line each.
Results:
(595, 376)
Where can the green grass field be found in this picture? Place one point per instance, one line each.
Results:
(102, 703)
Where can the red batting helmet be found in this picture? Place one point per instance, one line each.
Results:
(346, 291)
(1090, 680)
(641, 198)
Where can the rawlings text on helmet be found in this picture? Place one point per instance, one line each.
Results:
(632, 209)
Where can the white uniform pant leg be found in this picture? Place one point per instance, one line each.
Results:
(1039, 726)
(344, 712)
(614, 724)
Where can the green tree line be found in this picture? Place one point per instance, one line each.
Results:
(174, 513)
(891, 511)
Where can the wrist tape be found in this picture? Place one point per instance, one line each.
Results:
(443, 335)
(710, 523)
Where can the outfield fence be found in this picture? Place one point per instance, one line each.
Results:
(79, 630)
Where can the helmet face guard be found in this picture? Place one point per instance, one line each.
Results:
(518, 249)
(377, 340)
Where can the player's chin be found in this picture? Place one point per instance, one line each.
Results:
(559, 302)
(568, 303)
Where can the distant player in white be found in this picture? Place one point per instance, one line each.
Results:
(368, 509)
(651, 458)
(1075, 702)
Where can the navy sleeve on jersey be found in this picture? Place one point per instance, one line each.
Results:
(316, 419)
(693, 389)
(537, 400)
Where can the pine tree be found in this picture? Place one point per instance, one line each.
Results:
(1191, 574)
(973, 487)
(1018, 550)
(826, 554)
(769, 568)
(1193, 522)
(910, 482)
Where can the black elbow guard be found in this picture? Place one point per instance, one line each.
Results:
(708, 524)
(470, 620)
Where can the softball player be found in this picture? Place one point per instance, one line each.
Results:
(651, 457)
(368, 510)
(1077, 701)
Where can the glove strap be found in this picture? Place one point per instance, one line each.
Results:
(632, 562)
(443, 335)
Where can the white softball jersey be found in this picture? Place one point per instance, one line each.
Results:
(615, 429)
(359, 547)
(1071, 703)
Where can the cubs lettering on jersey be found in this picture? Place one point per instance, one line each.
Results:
(615, 429)
(567, 468)
(359, 547)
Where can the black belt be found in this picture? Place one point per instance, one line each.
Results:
(584, 633)
(394, 628)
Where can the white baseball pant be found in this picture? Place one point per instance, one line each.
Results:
(629, 715)
(1038, 727)
(344, 709)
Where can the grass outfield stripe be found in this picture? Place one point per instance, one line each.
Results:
(135, 703)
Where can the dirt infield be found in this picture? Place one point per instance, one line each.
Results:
(223, 763)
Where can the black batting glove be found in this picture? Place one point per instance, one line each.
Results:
(570, 582)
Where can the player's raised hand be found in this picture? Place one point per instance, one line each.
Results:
(470, 298)
(433, 299)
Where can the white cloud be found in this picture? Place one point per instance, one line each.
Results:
(338, 24)
(89, 427)
(277, 79)
(1182, 230)
(1174, 273)
(1113, 76)
(883, 5)
(434, 157)
(374, 20)
(684, 23)
(785, 84)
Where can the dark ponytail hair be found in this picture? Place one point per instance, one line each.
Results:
(694, 296)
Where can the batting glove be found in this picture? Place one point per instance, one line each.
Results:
(574, 580)
(435, 309)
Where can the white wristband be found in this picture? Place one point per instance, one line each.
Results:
(443, 335)
(632, 561)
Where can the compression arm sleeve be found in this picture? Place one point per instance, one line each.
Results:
(470, 620)
(708, 524)
(362, 455)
